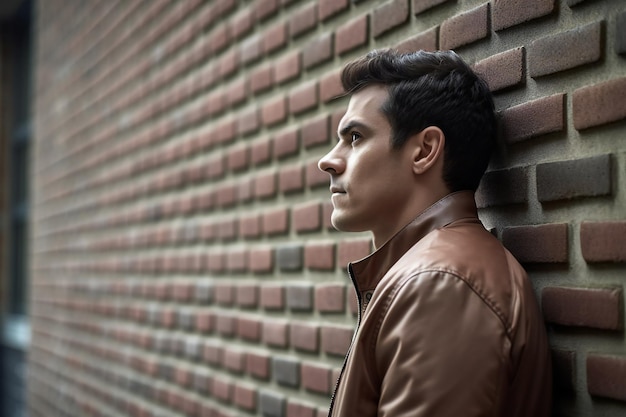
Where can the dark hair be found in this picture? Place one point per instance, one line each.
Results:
(433, 89)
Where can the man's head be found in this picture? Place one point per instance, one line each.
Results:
(417, 127)
(433, 89)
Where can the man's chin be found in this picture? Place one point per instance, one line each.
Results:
(344, 224)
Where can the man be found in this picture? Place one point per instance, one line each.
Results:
(448, 323)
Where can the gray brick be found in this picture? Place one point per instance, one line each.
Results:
(193, 348)
(620, 33)
(565, 50)
(506, 186)
(271, 404)
(204, 293)
(286, 371)
(289, 257)
(587, 177)
(300, 297)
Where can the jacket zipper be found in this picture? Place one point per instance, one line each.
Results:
(358, 323)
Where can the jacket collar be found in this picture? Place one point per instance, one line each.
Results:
(367, 272)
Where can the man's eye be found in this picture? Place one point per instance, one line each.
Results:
(355, 136)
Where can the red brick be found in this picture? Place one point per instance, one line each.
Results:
(329, 8)
(303, 20)
(286, 143)
(351, 250)
(245, 397)
(582, 45)
(224, 7)
(351, 34)
(304, 336)
(233, 360)
(227, 130)
(225, 324)
(318, 50)
(261, 259)
(546, 243)
(563, 180)
(275, 333)
(226, 197)
(273, 297)
(247, 295)
(583, 307)
(426, 41)
(222, 390)
(216, 261)
(389, 15)
(204, 322)
(336, 339)
(258, 365)
(237, 260)
(599, 104)
(603, 241)
(276, 221)
(420, 6)
(306, 217)
(238, 157)
(299, 410)
(316, 378)
(241, 23)
(249, 329)
(261, 151)
(216, 103)
(507, 13)
(330, 298)
(319, 255)
(330, 86)
(224, 294)
(274, 111)
(250, 226)
(290, 179)
(287, 67)
(502, 70)
(315, 131)
(606, 375)
(275, 37)
(229, 63)
(304, 97)
(465, 28)
(315, 177)
(534, 118)
(265, 185)
(261, 78)
(265, 8)
(219, 38)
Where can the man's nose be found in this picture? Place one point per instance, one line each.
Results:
(332, 162)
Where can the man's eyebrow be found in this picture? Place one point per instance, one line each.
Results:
(351, 125)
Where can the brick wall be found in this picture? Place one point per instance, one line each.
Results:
(183, 263)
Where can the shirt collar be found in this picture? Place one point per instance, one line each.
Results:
(368, 271)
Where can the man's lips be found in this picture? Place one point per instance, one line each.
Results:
(337, 190)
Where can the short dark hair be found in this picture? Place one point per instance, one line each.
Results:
(433, 89)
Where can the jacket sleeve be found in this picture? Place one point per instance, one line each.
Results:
(441, 350)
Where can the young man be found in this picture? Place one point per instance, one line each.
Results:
(448, 322)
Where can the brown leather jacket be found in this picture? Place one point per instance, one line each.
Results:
(448, 325)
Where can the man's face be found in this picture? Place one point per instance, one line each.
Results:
(370, 182)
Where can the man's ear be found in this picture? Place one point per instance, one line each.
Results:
(428, 150)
